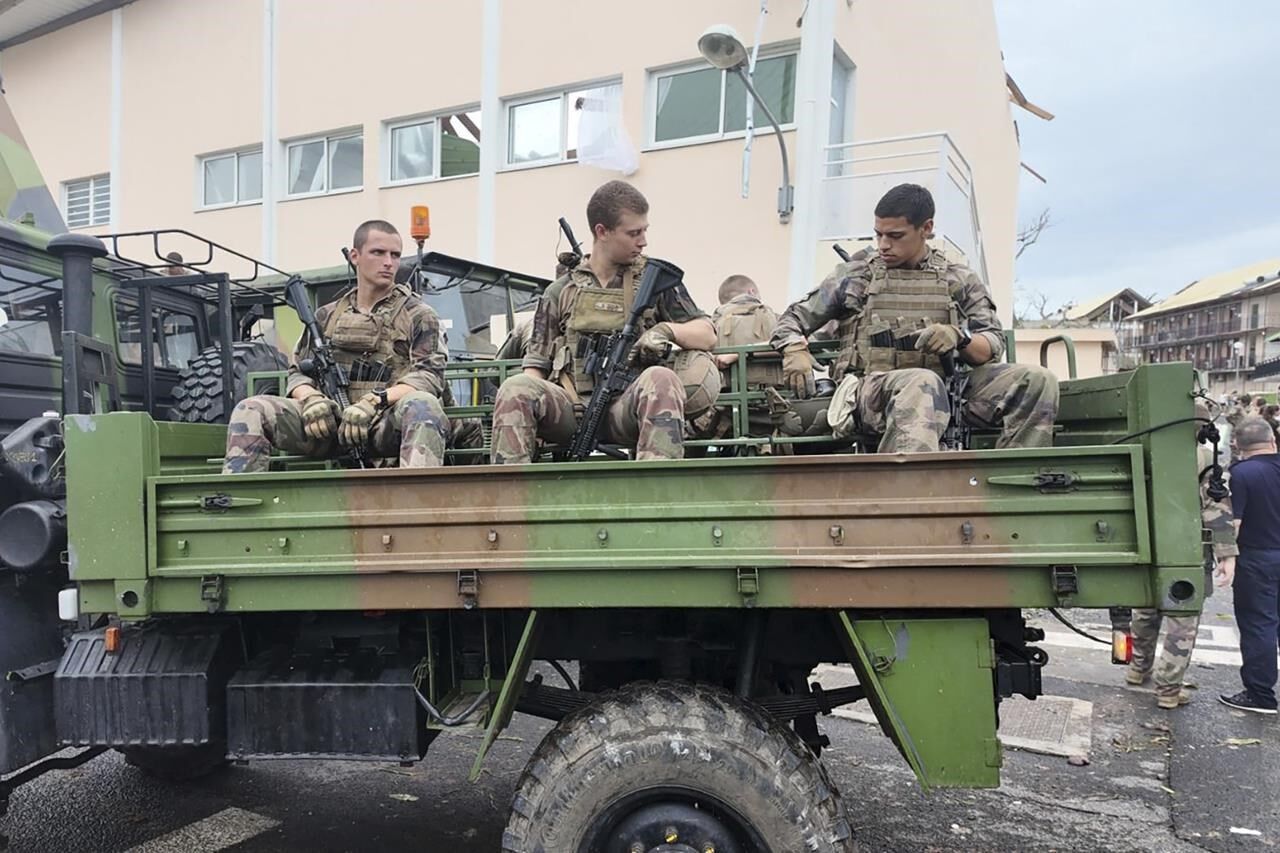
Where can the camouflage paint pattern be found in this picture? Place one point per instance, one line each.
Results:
(23, 191)
(648, 416)
(415, 430)
(1175, 657)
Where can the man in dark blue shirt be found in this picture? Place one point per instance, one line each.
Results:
(1255, 503)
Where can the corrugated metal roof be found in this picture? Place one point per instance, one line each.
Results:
(1084, 309)
(1216, 286)
(21, 20)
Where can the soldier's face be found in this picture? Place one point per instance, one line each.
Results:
(378, 259)
(623, 244)
(899, 242)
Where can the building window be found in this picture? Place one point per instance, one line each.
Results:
(699, 103)
(325, 164)
(87, 201)
(544, 128)
(232, 178)
(425, 148)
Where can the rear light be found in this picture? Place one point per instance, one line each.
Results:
(111, 639)
(1121, 646)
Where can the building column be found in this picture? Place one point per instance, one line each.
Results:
(490, 132)
(813, 117)
(269, 144)
(114, 135)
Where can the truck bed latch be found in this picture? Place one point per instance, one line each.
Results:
(748, 585)
(469, 588)
(211, 592)
(1066, 581)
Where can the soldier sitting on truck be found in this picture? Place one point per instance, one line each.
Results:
(903, 284)
(595, 298)
(742, 317)
(388, 341)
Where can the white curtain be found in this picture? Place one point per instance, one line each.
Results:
(602, 139)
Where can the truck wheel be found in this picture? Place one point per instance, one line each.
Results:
(177, 763)
(197, 398)
(673, 766)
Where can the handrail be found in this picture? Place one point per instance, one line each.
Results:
(1071, 353)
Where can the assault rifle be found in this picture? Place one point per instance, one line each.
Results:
(573, 257)
(842, 252)
(321, 366)
(956, 435)
(609, 360)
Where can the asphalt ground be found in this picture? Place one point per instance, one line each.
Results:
(1156, 781)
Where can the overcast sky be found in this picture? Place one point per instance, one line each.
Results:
(1163, 162)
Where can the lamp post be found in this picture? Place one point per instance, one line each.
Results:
(721, 46)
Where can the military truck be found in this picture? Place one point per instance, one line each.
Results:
(316, 611)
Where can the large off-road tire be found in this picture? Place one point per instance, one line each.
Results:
(656, 757)
(177, 763)
(197, 398)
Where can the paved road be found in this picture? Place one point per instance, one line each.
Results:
(1163, 781)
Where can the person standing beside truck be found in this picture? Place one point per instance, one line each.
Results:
(594, 298)
(902, 285)
(388, 342)
(1255, 503)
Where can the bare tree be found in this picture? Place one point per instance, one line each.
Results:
(1029, 234)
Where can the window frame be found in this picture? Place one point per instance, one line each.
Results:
(389, 126)
(327, 139)
(557, 92)
(653, 75)
(92, 181)
(235, 153)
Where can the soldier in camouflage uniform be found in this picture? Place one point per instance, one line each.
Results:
(389, 341)
(742, 317)
(1180, 631)
(904, 286)
(595, 298)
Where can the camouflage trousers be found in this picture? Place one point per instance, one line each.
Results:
(1179, 642)
(648, 416)
(909, 409)
(415, 428)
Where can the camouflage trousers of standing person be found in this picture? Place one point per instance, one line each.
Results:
(648, 416)
(415, 428)
(1171, 668)
(908, 408)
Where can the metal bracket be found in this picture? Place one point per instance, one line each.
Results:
(469, 588)
(31, 673)
(1066, 581)
(211, 592)
(748, 585)
(1054, 481)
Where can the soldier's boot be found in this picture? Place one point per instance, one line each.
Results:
(660, 414)
(1135, 676)
(1170, 701)
(424, 430)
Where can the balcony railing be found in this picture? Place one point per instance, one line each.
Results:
(859, 173)
(1180, 334)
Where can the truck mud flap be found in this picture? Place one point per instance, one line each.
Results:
(326, 704)
(29, 647)
(930, 683)
(161, 687)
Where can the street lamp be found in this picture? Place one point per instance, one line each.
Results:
(721, 46)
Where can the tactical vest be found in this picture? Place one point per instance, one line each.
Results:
(591, 312)
(739, 323)
(374, 348)
(900, 301)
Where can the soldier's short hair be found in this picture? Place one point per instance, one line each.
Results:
(1253, 432)
(382, 226)
(1244, 399)
(912, 202)
(735, 285)
(607, 203)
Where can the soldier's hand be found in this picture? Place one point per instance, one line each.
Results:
(319, 417)
(797, 369)
(356, 421)
(1225, 571)
(938, 339)
(654, 345)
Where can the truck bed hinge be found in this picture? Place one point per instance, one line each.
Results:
(1066, 582)
(469, 588)
(211, 592)
(748, 585)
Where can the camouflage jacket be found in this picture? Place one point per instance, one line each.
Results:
(844, 292)
(419, 358)
(556, 304)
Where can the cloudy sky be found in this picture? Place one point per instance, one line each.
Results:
(1163, 162)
